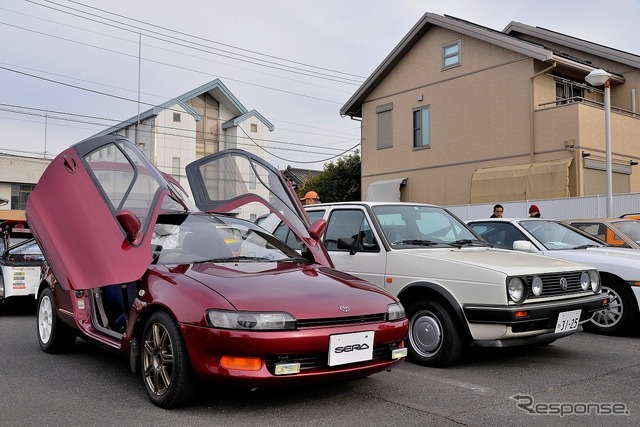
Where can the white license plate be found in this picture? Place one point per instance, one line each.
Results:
(568, 321)
(350, 348)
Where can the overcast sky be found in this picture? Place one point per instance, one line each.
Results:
(69, 69)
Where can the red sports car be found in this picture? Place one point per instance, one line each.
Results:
(133, 265)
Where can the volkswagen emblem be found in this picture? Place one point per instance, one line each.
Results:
(346, 308)
(563, 284)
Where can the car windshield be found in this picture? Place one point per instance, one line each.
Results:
(411, 226)
(555, 235)
(25, 251)
(192, 238)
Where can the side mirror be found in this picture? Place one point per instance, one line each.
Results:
(318, 228)
(347, 243)
(131, 226)
(524, 246)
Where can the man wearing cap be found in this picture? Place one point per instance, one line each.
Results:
(311, 198)
(534, 212)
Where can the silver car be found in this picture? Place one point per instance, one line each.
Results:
(619, 268)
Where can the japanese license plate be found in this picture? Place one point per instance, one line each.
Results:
(350, 348)
(568, 321)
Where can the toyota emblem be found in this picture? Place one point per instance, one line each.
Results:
(345, 308)
(563, 283)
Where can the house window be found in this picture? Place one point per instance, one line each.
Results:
(175, 168)
(254, 127)
(451, 55)
(422, 128)
(385, 125)
(176, 117)
(19, 195)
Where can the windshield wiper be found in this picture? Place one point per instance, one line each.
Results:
(237, 259)
(416, 242)
(468, 242)
(587, 246)
(294, 259)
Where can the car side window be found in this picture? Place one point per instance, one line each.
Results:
(596, 230)
(315, 215)
(500, 235)
(284, 233)
(350, 224)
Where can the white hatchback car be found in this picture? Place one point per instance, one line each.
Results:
(619, 268)
(457, 290)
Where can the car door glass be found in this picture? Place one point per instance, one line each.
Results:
(343, 224)
(596, 230)
(315, 215)
(125, 181)
(500, 235)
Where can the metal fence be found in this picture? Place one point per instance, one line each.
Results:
(566, 208)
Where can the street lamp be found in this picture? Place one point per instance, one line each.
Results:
(599, 77)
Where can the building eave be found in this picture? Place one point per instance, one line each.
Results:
(253, 113)
(602, 51)
(215, 88)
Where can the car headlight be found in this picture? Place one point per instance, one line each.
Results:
(585, 281)
(536, 286)
(517, 289)
(395, 311)
(596, 285)
(246, 320)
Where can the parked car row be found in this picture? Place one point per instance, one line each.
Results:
(458, 291)
(189, 292)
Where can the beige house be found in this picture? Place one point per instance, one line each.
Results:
(461, 113)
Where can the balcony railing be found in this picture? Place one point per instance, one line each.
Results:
(566, 101)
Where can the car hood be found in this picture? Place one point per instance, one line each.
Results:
(621, 262)
(306, 292)
(499, 260)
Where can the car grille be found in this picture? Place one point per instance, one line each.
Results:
(321, 361)
(336, 321)
(551, 284)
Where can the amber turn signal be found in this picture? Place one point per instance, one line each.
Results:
(241, 363)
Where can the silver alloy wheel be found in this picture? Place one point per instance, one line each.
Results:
(45, 319)
(425, 333)
(611, 316)
(157, 359)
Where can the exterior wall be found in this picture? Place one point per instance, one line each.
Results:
(19, 170)
(480, 117)
(566, 208)
(174, 140)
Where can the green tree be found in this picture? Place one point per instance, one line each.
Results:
(338, 182)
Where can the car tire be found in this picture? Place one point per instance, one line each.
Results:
(54, 336)
(619, 317)
(169, 381)
(434, 339)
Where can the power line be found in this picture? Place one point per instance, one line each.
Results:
(174, 66)
(131, 100)
(199, 47)
(167, 132)
(213, 41)
(296, 161)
